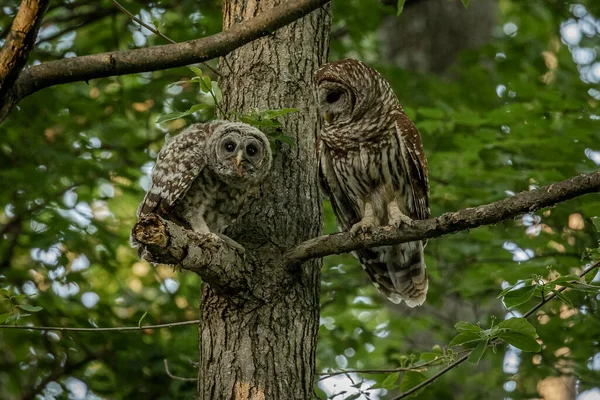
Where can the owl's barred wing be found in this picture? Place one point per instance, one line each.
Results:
(343, 208)
(415, 164)
(398, 271)
(178, 164)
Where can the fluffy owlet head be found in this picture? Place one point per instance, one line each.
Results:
(348, 89)
(239, 154)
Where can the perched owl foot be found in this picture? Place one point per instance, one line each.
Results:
(364, 225)
(399, 219)
(396, 217)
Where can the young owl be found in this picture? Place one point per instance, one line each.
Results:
(203, 175)
(374, 171)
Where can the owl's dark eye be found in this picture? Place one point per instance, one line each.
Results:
(229, 146)
(251, 150)
(333, 97)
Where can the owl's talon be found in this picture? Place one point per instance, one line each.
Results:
(363, 226)
(396, 217)
(399, 220)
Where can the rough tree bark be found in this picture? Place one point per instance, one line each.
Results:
(260, 344)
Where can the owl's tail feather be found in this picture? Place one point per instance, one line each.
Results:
(398, 271)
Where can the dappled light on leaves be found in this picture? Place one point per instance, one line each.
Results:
(517, 113)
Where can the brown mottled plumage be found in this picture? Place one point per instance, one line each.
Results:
(374, 171)
(203, 175)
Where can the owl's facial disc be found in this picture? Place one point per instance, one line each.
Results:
(228, 149)
(335, 101)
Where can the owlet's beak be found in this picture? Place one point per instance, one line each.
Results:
(238, 162)
(328, 117)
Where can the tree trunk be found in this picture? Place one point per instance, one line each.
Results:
(261, 344)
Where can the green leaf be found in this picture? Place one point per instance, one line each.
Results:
(389, 381)
(196, 71)
(197, 107)
(206, 84)
(30, 308)
(427, 357)
(463, 326)
(19, 297)
(142, 318)
(465, 337)
(15, 317)
(410, 380)
(519, 325)
(520, 341)
(400, 6)
(562, 298)
(170, 117)
(565, 279)
(477, 352)
(508, 289)
(466, 3)
(596, 222)
(582, 287)
(217, 91)
(354, 396)
(518, 296)
(4, 317)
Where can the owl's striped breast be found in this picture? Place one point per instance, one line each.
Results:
(371, 171)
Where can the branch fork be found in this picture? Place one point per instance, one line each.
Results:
(165, 242)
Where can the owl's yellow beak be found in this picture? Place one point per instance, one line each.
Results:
(327, 116)
(238, 162)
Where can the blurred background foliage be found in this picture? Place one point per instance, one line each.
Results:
(506, 98)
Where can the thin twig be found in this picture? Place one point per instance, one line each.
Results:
(466, 356)
(157, 32)
(179, 378)
(419, 367)
(113, 329)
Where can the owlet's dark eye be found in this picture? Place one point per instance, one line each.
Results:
(333, 97)
(229, 146)
(251, 150)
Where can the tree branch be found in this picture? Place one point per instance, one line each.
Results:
(464, 358)
(156, 31)
(447, 223)
(208, 255)
(179, 378)
(112, 329)
(20, 41)
(155, 58)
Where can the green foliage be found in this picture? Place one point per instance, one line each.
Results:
(11, 305)
(539, 288)
(511, 115)
(516, 331)
(400, 6)
(265, 120)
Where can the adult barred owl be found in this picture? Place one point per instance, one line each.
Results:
(203, 175)
(374, 170)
